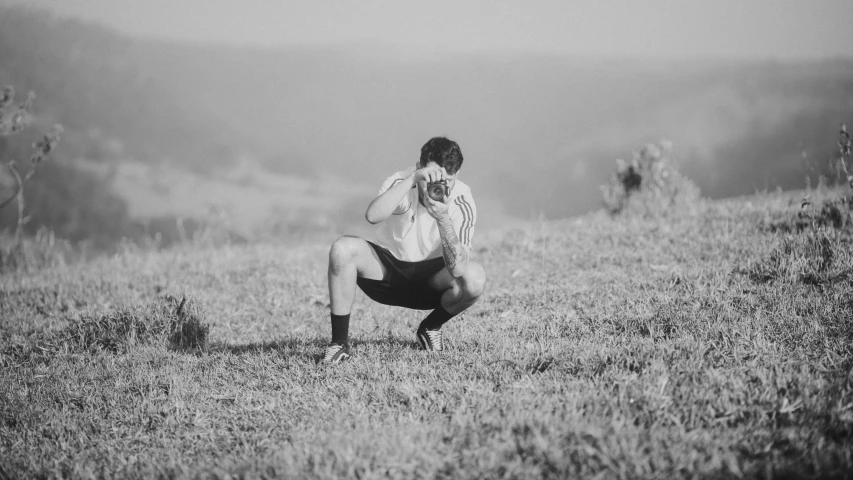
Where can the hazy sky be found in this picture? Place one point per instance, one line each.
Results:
(659, 28)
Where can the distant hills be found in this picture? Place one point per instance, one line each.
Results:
(539, 133)
(89, 79)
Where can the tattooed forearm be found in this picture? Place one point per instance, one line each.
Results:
(455, 255)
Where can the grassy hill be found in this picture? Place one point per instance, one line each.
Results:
(710, 344)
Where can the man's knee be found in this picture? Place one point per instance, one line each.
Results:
(344, 251)
(474, 281)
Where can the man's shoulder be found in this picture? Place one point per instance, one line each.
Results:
(461, 189)
(462, 200)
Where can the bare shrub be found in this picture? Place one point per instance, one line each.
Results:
(12, 125)
(845, 149)
(649, 184)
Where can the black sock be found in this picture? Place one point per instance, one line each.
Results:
(340, 329)
(436, 319)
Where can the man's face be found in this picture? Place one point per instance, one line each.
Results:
(451, 180)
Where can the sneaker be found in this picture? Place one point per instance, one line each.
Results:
(431, 340)
(336, 353)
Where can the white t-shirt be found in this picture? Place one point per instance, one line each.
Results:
(411, 234)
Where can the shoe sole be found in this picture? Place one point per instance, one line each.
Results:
(339, 358)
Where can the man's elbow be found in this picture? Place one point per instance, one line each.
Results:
(459, 270)
(372, 218)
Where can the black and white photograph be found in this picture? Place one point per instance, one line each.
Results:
(378, 239)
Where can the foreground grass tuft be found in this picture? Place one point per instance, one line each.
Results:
(175, 322)
(187, 331)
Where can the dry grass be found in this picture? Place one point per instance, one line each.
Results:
(711, 345)
(30, 254)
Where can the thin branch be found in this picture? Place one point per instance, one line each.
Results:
(19, 193)
(14, 170)
(19, 182)
(8, 200)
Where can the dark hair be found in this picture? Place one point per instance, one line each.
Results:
(445, 153)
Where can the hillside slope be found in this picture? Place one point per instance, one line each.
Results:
(716, 344)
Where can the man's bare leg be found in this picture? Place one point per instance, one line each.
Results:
(350, 258)
(459, 294)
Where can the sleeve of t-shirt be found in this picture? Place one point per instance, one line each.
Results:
(389, 182)
(464, 217)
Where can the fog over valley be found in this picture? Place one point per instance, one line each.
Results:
(540, 133)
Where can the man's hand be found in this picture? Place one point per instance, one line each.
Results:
(438, 210)
(429, 174)
(423, 177)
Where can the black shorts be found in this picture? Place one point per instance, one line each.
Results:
(406, 285)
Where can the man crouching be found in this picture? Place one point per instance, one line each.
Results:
(421, 257)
